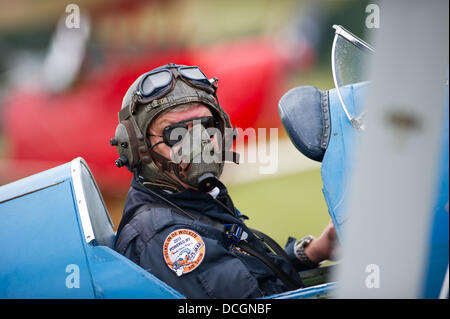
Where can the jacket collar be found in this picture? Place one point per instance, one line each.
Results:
(220, 208)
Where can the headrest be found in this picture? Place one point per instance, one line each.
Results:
(305, 114)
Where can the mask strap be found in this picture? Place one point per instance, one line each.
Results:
(167, 166)
(165, 163)
(160, 142)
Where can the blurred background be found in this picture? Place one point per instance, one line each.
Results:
(61, 88)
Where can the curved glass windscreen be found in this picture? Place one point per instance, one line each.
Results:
(98, 214)
(349, 59)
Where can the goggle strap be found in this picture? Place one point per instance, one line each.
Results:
(134, 100)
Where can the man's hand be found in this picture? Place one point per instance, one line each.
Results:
(324, 247)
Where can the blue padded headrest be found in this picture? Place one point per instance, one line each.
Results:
(305, 114)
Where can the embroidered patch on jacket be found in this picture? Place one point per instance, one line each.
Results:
(183, 251)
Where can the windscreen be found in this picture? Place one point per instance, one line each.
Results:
(350, 57)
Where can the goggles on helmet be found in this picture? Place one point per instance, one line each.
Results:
(171, 138)
(157, 83)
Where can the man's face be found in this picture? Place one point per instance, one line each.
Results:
(158, 125)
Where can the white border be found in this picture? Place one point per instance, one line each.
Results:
(75, 167)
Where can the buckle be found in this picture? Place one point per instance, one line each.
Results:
(235, 233)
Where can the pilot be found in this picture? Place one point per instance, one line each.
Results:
(179, 222)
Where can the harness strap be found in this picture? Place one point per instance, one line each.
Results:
(279, 251)
(270, 242)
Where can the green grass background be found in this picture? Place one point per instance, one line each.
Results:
(283, 206)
